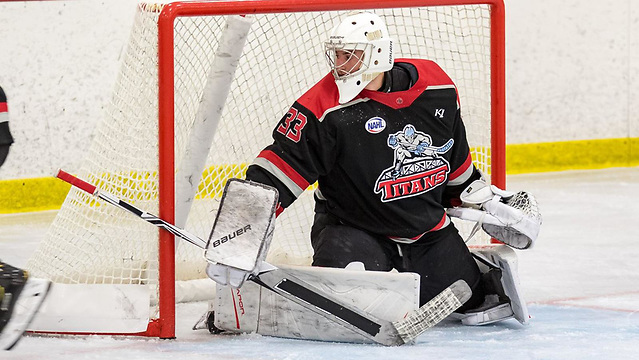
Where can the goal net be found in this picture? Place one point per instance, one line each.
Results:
(156, 150)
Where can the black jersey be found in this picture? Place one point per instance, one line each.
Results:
(383, 161)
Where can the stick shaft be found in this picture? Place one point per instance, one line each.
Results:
(377, 330)
(114, 200)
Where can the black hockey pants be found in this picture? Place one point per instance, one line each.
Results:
(440, 257)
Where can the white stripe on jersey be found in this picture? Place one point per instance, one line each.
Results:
(356, 101)
(279, 174)
(463, 177)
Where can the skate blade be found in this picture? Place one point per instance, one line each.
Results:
(26, 307)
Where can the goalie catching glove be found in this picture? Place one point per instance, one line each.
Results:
(512, 218)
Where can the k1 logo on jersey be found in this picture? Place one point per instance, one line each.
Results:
(418, 166)
(292, 124)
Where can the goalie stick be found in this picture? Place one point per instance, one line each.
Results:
(389, 333)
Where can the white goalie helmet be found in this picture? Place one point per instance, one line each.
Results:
(366, 32)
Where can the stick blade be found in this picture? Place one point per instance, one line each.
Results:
(434, 311)
(461, 290)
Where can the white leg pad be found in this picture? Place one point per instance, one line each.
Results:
(389, 296)
(506, 259)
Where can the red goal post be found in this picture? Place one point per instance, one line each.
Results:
(154, 186)
(166, 80)
(165, 33)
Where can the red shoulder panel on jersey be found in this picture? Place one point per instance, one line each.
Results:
(324, 95)
(321, 97)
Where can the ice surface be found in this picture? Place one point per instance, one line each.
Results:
(580, 280)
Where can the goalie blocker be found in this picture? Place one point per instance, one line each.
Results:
(242, 232)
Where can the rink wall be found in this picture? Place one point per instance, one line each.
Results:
(572, 87)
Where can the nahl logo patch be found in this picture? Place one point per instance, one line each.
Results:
(375, 125)
(231, 236)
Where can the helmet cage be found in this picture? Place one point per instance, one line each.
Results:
(339, 72)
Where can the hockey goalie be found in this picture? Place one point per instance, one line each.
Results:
(385, 142)
(242, 306)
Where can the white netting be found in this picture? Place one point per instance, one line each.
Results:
(93, 242)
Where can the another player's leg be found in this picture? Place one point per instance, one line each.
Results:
(20, 299)
(4, 151)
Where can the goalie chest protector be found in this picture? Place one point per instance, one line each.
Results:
(382, 160)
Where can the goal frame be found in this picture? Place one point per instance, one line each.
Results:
(164, 326)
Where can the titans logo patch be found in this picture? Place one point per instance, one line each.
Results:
(418, 166)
